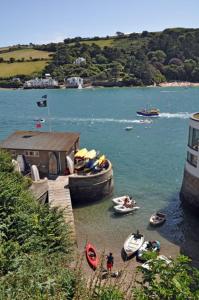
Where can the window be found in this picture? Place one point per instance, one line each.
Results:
(192, 159)
(32, 153)
(193, 138)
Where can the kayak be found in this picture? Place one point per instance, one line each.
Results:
(91, 255)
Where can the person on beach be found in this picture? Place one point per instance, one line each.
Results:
(110, 261)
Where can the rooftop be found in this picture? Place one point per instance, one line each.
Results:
(36, 140)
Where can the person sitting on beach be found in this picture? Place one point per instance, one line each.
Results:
(110, 261)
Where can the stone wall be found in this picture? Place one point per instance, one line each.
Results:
(89, 188)
(189, 193)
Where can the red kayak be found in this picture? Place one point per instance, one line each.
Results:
(91, 256)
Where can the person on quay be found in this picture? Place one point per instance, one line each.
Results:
(110, 261)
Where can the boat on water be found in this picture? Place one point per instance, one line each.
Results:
(153, 246)
(146, 121)
(121, 200)
(157, 219)
(124, 209)
(133, 243)
(91, 255)
(153, 112)
(128, 128)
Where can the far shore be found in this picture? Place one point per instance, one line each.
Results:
(163, 84)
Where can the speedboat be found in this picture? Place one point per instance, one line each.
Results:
(122, 209)
(91, 255)
(121, 200)
(133, 243)
(153, 246)
(153, 112)
(128, 128)
(157, 219)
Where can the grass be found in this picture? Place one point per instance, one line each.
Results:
(21, 68)
(25, 53)
(101, 43)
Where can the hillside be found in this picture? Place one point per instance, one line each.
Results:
(125, 59)
(22, 61)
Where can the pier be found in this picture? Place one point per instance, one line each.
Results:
(59, 196)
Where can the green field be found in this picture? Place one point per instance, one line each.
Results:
(22, 68)
(101, 43)
(26, 54)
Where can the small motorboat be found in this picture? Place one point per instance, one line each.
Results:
(157, 219)
(128, 128)
(153, 112)
(121, 200)
(133, 243)
(163, 258)
(91, 256)
(123, 209)
(152, 246)
(147, 121)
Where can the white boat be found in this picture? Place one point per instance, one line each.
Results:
(147, 121)
(157, 219)
(128, 128)
(122, 209)
(70, 164)
(153, 246)
(165, 259)
(121, 200)
(133, 243)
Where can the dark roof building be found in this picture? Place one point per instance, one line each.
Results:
(46, 150)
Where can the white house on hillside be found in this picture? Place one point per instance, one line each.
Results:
(74, 82)
(41, 83)
(79, 61)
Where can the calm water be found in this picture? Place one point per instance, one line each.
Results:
(148, 161)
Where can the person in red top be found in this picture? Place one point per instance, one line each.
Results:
(110, 261)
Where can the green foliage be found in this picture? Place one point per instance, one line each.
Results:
(5, 162)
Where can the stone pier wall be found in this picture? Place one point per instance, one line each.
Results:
(88, 188)
(189, 193)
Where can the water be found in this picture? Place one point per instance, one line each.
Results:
(148, 161)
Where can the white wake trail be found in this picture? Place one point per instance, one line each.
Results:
(97, 120)
(178, 115)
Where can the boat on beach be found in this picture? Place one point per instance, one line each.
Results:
(153, 112)
(133, 243)
(157, 219)
(91, 255)
(147, 246)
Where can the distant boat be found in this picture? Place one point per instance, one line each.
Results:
(153, 112)
(157, 219)
(128, 128)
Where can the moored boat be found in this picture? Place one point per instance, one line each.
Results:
(133, 243)
(128, 128)
(91, 256)
(149, 112)
(121, 200)
(157, 219)
(122, 209)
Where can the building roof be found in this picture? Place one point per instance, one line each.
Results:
(36, 140)
(195, 116)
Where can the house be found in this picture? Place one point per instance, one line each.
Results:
(79, 61)
(47, 150)
(47, 82)
(74, 82)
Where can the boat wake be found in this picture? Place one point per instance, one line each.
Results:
(179, 115)
(98, 120)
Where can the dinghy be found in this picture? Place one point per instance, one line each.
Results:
(133, 243)
(157, 219)
(91, 255)
(121, 200)
(153, 246)
(122, 209)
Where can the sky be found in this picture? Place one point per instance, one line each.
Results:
(44, 21)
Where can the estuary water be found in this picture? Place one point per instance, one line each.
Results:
(148, 161)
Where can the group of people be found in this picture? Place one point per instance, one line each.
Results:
(128, 202)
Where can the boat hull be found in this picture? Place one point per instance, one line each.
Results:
(145, 114)
(132, 244)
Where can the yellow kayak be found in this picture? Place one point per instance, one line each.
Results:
(81, 153)
(90, 154)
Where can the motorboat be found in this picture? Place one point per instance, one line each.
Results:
(121, 200)
(124, 209)
(128, 128)
(91, 255)
(152, 246)
(157, 219)
(133, 243)
(153, 112)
